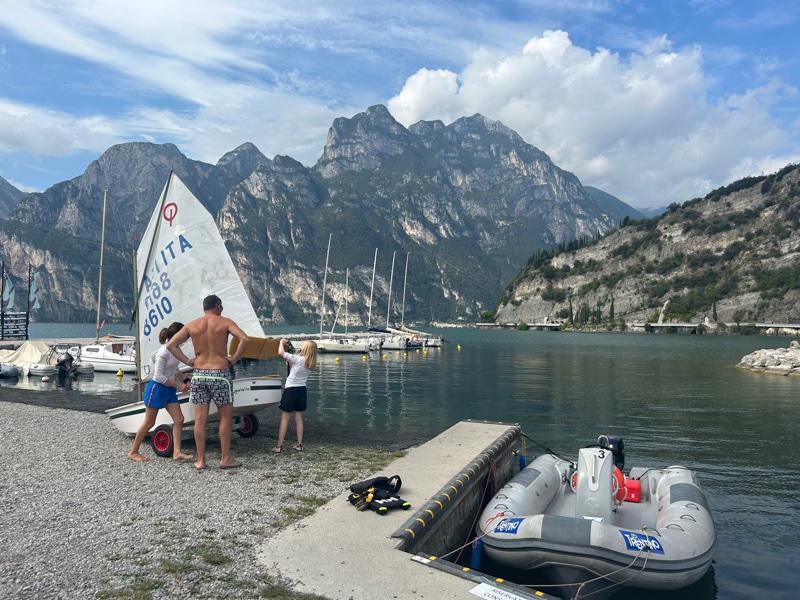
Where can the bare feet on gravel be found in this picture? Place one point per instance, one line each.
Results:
(136, 456)
(200, 465)
(182, 456)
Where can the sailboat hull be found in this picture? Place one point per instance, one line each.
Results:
(342, 345)
(250, 395)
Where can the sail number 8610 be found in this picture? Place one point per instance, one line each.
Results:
(157, 301)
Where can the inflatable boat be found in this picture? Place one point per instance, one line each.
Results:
(9, 370)
(589, 527)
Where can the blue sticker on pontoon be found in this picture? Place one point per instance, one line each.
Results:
(639, 541)
(508, 525)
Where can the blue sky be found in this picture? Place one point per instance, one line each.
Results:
(654, 101)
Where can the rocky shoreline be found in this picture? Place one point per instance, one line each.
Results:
(780, 361)
(81, 520)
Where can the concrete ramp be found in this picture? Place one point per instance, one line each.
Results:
(343, 554)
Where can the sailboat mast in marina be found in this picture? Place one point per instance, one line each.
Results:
(100, 281)
(405, 280)
(324, 285)
(346, 294)
(372, 289)
(391, 281)
(111, 356)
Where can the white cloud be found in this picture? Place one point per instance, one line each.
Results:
(277, 123)
(22, 187)
(41, 131)
(650, 125)
(640, 127)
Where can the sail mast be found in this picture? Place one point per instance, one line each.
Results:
(137, 339)
(100, 282)
(346, 293)
(161, 201)
(391, 280)
(372, 289)
(324, 284)
(405, 279)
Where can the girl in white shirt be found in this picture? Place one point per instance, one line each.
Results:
(295, 395)
(162, 392)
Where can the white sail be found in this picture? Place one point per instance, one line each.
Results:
(181, 260)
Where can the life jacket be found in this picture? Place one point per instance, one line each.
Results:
(378, 494)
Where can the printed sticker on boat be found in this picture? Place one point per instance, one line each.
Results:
(638, 541)
(509, 525)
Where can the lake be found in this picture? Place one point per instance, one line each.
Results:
(675, 399)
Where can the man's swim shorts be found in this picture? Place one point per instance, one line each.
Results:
(211, 385)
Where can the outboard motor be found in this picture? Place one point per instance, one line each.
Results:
(617, 447)
(64, 362)
(594, 484)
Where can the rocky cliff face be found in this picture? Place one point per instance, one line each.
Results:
(730, 257)
(470, 202)
(9, 197)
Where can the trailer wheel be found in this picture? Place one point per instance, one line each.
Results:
(249, 426)
(161, 440)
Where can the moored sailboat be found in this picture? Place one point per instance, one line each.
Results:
(342, 344)
(111, 354)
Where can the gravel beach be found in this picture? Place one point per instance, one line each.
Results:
(81, 520)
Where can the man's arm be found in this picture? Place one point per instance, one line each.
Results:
(174, 346)
(237, 332)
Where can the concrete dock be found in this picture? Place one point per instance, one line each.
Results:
(343, 554)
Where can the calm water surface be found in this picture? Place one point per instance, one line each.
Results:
(675, 399)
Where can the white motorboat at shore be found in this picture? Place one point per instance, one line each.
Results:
(109, 354)
(589, 528)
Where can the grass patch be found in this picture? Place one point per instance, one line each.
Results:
(297, 512)
(291, 478)
(176, 567)
(279, 589)
(208, 554)
(141, 589)
(233, 582)
(131, 521)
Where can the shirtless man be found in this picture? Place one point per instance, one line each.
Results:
(211, 378)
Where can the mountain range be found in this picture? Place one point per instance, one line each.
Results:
(467, 204)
